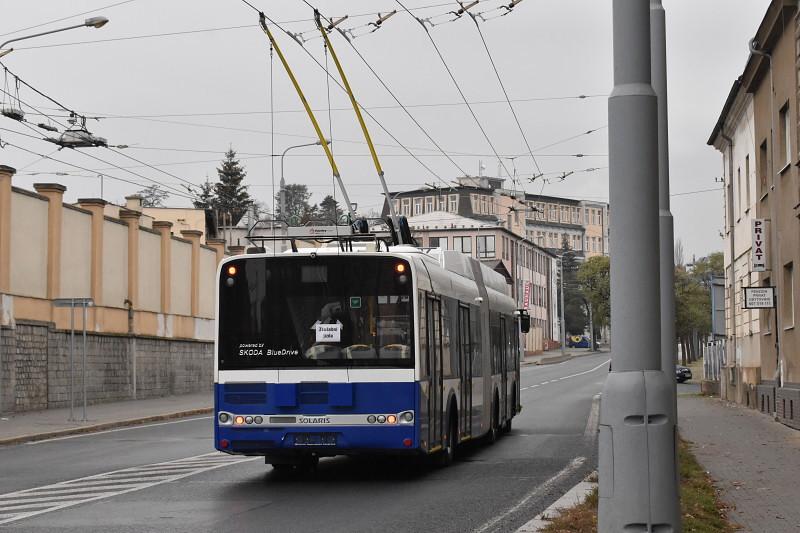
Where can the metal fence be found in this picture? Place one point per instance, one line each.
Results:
(713, 359)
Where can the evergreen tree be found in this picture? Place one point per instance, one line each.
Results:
(329, 209)
(153, 196)
(574, 309)
(297, 207)
(232, 197)
(206, 198)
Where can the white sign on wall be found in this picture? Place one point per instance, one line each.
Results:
(759, 297)
(759, 252)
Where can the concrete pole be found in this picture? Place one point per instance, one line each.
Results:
(563, 324)
(658, 53)
(637, 461)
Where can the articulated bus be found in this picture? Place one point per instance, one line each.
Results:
(321, 352)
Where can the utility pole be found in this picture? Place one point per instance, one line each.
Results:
(666, 237)
(563, 324)
(637, 461)
(658, 53)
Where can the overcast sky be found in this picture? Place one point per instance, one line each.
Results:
(179, 101)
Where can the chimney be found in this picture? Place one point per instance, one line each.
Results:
(133, 203)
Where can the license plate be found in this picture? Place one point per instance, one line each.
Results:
(315, 439)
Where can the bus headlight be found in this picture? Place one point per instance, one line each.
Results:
(406, 417)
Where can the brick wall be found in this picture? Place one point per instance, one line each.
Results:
(35, 367)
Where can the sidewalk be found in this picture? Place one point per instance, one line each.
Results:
(554, 356)
(754, 461)
(38, 425)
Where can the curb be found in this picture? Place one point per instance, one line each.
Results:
(575, 496)
(104, 426)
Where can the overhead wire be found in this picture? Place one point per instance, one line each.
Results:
(342, 109)
(505, 92)
(399, 103)
(370, 115)
(458, 87)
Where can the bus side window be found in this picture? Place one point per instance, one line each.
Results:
(447, 369)
(475, 331)
(423, 335)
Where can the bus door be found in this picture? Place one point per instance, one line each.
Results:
(435, 365)
(503, 367)
(465, 364)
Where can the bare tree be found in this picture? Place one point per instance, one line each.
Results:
(679, 253)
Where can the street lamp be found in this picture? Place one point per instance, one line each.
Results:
(93, 22)
(283, 182)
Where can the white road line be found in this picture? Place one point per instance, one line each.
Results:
(601, 365)
(564, 472)
(128, 428)
(74, 492)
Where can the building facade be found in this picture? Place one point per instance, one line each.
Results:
(771, 79)
(734, 138)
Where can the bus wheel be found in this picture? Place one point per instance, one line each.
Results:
(448, 452)
(493, 427)
(507, 425)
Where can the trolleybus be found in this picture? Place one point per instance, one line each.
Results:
(323, 352)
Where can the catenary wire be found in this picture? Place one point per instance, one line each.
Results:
(505, 92)
(458, 87)
(370, 115)
(399, 103)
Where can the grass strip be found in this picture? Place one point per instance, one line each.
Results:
(701, 508)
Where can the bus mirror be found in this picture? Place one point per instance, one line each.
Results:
(524, 321)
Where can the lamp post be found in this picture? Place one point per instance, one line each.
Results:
(93, 22)
(283, 182)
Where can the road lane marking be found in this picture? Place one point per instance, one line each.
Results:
(38, 500)
(574, 465)
(601, 365)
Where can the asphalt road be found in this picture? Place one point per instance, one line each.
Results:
(164, 477)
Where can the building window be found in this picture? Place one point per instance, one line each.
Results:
(737, 194)
(763, 168)
(453, 203)
(486, 249)
(747, 183)
(463, 245)
(396, 205)
(586, 216)
(788, 296)
(786, 136)
(406, 203)
(441, 203)
(417, 206)
(439, 242)
(429, 204)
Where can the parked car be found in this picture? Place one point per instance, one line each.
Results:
(682, 373)
(577, 341)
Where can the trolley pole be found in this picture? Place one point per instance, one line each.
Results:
(637, 462)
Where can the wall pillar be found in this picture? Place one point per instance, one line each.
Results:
(165, 228)
(54, 193)
(219, 247)
(132, 219)
(194, 236)
(5, 228)
(96, 206)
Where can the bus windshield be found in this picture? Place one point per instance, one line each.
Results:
(326, 311)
